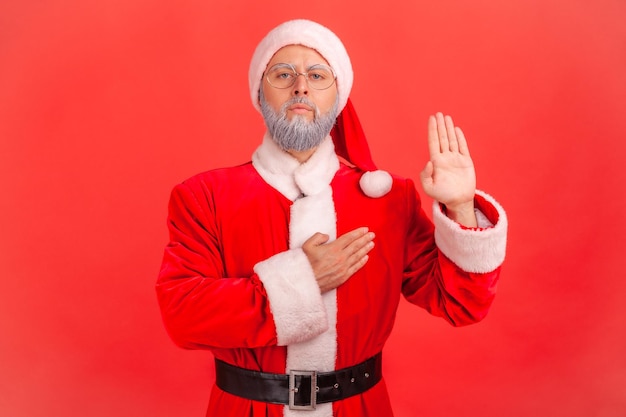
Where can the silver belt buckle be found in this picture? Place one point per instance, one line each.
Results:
(293, 390)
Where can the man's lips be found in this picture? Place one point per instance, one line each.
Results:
(300, 108)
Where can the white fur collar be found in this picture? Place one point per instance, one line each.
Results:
(291, 178)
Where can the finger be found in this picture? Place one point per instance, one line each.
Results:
(452, 139)
(362, 244)
(346, 239)
(360, 253)
(463, 148)
(427, 172)
(359, 247)
(426, 176)
(355, 267)
(444, 144)
(316, 240)
(433, 137)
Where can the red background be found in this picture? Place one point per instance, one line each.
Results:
(104, 106)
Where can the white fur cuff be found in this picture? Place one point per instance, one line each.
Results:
(478, 251)
(295, 298)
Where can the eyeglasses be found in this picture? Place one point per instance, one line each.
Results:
(319, 76)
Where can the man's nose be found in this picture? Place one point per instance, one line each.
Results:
(301, 86)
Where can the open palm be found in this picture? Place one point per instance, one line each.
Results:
(449, 177)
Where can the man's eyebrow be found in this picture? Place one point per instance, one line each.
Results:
(290, 65)
(282, 64)
(319, 64)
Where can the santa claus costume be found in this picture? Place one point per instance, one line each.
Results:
(236, 281)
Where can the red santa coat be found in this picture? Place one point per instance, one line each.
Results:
(235, 280)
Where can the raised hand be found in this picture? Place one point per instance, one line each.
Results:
(449, 177)
(333, 263)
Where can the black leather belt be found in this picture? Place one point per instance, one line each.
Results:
(300, 390)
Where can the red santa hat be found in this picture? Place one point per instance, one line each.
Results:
(348, 136)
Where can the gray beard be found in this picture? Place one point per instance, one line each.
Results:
(298, 134)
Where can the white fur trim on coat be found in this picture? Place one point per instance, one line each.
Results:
(305, 320)
(295, 299)
(478, 251)
(292, 179)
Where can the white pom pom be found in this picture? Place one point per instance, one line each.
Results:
(375, 183)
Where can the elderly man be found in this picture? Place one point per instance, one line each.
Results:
(290, 268)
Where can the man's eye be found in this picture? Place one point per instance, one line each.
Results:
(284, 75)
(320, 75)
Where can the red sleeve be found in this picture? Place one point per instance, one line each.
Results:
(201, 307)
(436, 283)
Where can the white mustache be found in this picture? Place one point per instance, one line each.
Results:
(298, 100)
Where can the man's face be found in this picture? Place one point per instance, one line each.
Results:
(302, 58)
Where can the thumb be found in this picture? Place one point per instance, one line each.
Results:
(316, 240)
(426, 176)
